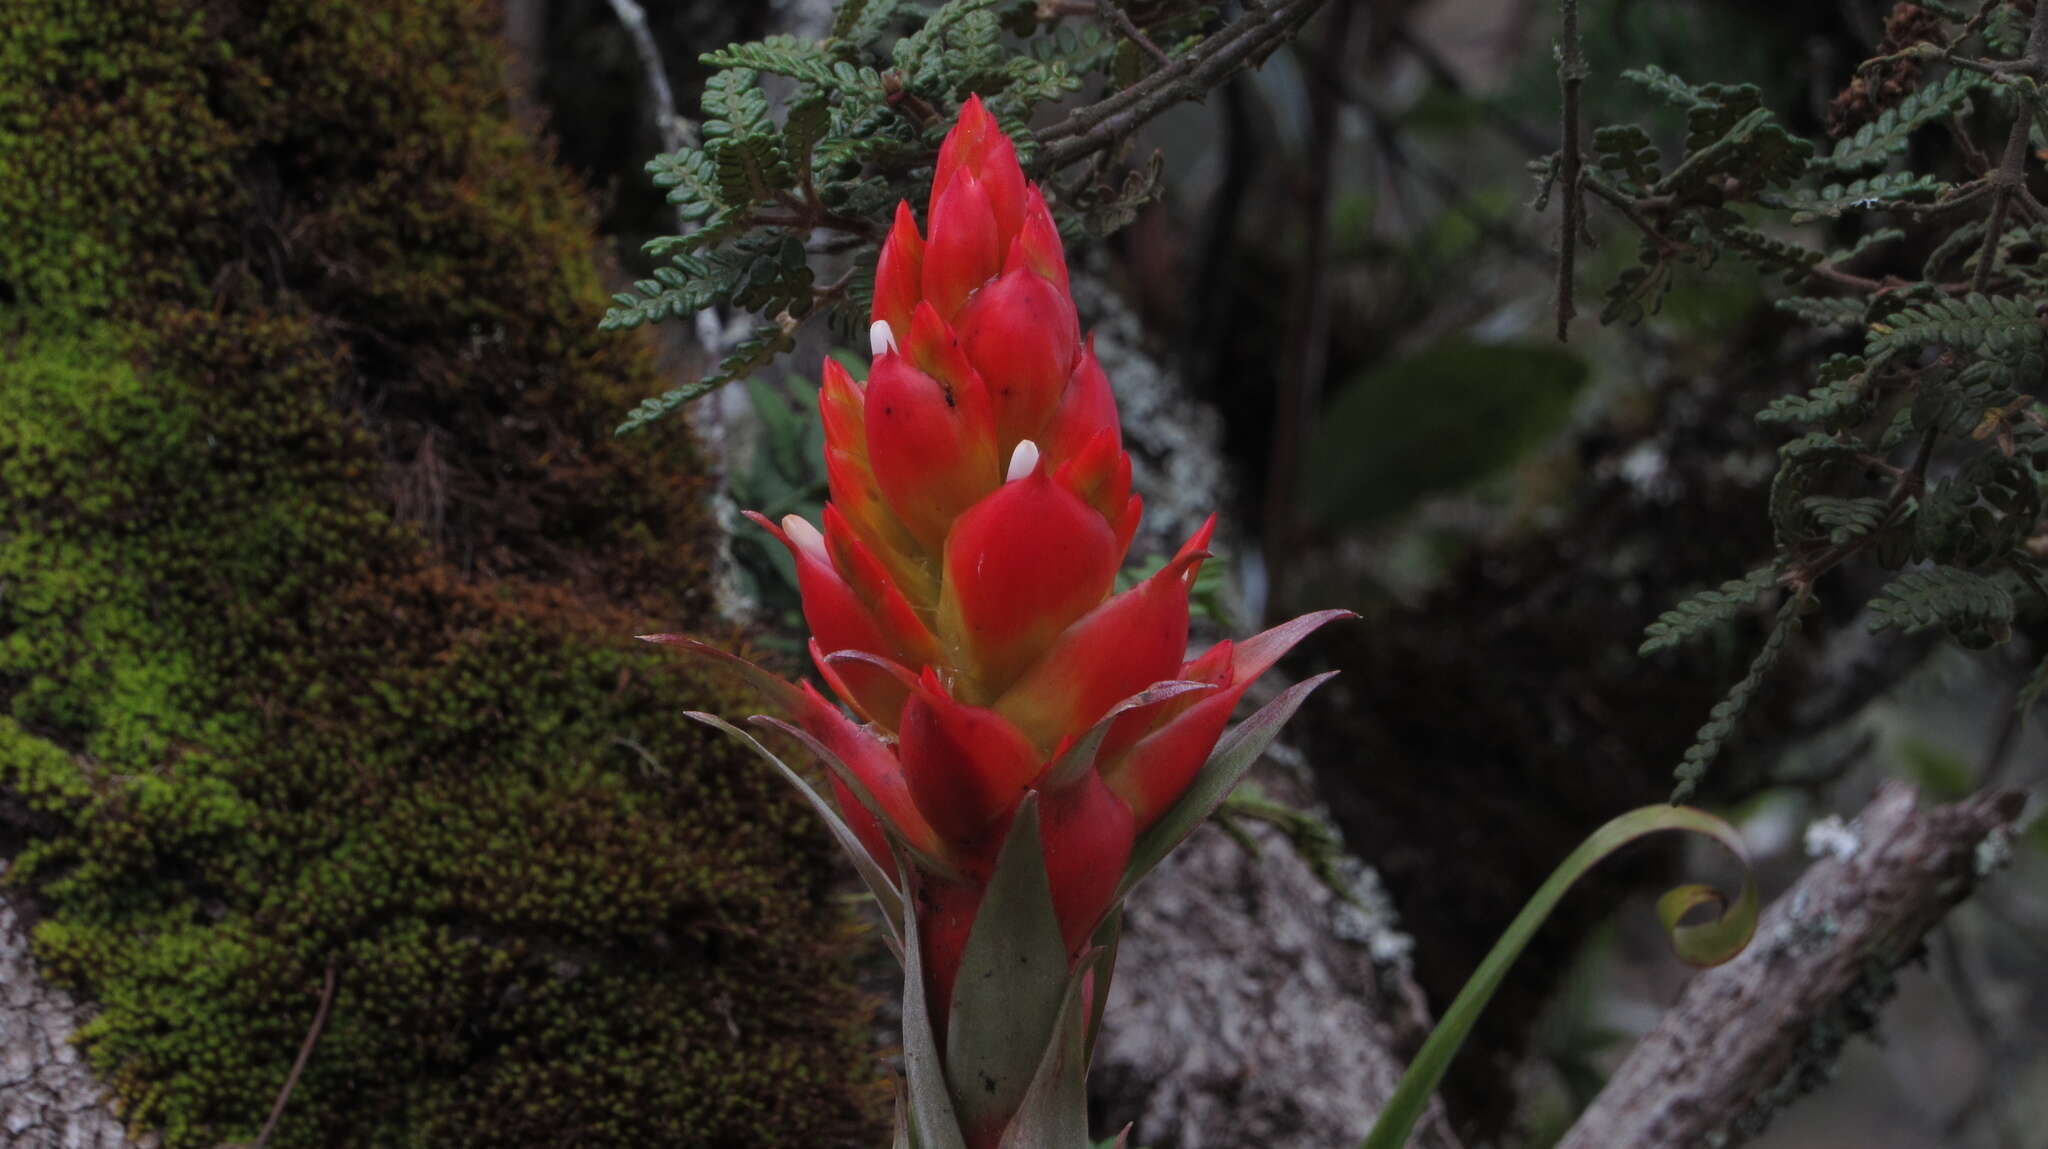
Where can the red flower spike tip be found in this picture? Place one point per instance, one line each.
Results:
(899, 272)
(837, 617)
(1100, 475)
(965, 249)
(1160, 766)
(977, 145)
(959, 594)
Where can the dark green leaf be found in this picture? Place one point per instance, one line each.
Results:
(1436, 421)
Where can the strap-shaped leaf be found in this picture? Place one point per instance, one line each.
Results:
(1054, 1111)
(932, 1122)
(1708, 943)
(928, 862)
(878, 883)
(1231, 761)
(1081, 755)
(1108, 937)
(1013, 975)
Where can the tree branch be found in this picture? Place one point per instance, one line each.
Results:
(2011, 174)
(1244, 43)
(1750, 1036)
(1571, 75)
(673, 128)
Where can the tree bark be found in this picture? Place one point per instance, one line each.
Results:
(1748, 1037)
(1255, 1006)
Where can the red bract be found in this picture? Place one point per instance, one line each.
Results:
(960, 601)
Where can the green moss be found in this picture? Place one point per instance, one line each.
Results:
(319, 565)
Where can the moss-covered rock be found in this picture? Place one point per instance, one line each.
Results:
(317, 567)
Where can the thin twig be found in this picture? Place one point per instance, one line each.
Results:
(673, 128)
(1383, 123)
(1190, 76)
(2012, 165)
(1571, 74)
(1307, 356)
(675, 135)
(291, 1079)
(1121, 20)
(1441, 73)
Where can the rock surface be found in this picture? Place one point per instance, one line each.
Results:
(49, 1098)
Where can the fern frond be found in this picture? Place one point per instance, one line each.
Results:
(1880, 139)
(1872, 193)
(1986, 323)
(1964, 602)
(750, 354)
(1708, 609)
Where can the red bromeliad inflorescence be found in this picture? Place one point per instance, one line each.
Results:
(959, 589)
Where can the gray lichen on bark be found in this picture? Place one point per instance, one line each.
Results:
(49, 1098)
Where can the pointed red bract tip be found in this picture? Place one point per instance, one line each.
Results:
(1116, 650)
(965, 247)
(977, 146)
(1021, 565)
(1087, 408)
(931, 446)
(1086, 831)
(1020, 334)
(966, 766)
(899, 272)
(1038, 244)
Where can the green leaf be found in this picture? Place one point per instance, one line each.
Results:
(1876, 193)
(1439, 420)
(1824, 311)
(1625, 151)
(1987, 323)
(1707, 943)
(1727, 713)
(1232, 759)
(1878, 140)
(804, 60)
(859, 22)
(885, 892)
(1014, 976)
(767, 341)
(1054, 1110)
(1845, 519)
(691, 179)
(807, 122)
(932, 1121)
(1967, 604)
(1708, 609)
(1108, 939)
(1841, 394)
(1081, 755)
